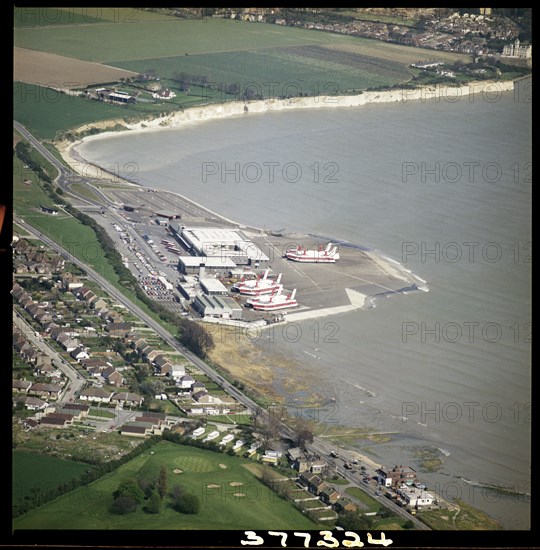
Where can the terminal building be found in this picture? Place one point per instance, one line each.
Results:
(220, 249)
(192, 265)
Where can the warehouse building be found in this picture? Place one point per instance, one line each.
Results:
(217, 306)
(213, 287)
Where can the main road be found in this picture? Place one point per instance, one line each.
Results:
(320, 447)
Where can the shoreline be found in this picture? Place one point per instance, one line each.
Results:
(218, 111)
(208, 113)
(157, 129)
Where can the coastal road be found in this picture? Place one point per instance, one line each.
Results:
(136, 310)
(319, 447)
(324, 449)
(66, 176)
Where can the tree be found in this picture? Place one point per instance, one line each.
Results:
(129, 488)
(351, 521)
(408, 524)
(154, 504)
(162, 481)
(195, 337)
(187, 504)
(176, 492)
(146, 486)
(124, 505)
(303, 432)
(270, 429)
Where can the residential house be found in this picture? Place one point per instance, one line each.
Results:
(314, 483)
(397, 476)
(317, 466)
(56, 420)
(415, 497)
(160, 361)
(43, 317)
(95, 362)
(77, 410)
(70, 281)
(98, 395)
(301, 464)
(119, 330)
(67, 343)
(127, 399)
(32, 403)
(329, 495)
(30, 423)
(112, 376)
(19, 341)
(174, 371)
(50, 391)
(43, 360)
(186, 382)
(98, 303)
(79, 354)
(202, 397)
(29, 354)
(150, 354)
(102, 312)
(345, 505)
(21, 386)
(114, 316)
(48, 326)
(26, 300)
(17, 291)
(48, 370)
(34, 309)
(55, 332)
(83, 292)
(198, 386)
(139, 345)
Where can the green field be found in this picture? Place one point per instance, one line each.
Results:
(47, 112)
(273, 72)
(267, 60)
(79, 239)
(370, 502)
(466, 519)
(260, 508)
(106, 43)
(34, 470)
(45, 17)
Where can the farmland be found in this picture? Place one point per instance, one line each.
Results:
(45, 17)
(217, 480)
(282, 71)
(57, 71)
(266, 60)
(40, 471)
(47, 112)
(105, 43)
